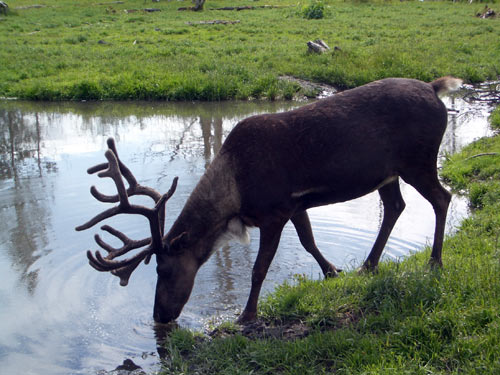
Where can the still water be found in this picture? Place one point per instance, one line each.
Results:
(60, 316)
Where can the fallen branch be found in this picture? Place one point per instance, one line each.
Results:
(214, 22)
(248, 7)
(36, 6)
(483, 154)
(111, 2)
(149, 10)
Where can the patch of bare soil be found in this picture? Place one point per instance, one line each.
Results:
(261, 330)
(291, 330)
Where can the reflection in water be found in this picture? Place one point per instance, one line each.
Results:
(59, 316)
(23, 211)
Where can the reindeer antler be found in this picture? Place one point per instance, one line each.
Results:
(115, 169)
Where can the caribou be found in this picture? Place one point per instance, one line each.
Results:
(271, 169)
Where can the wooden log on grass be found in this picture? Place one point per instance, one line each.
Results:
(317, 46)
(214, 22)
(250, 7)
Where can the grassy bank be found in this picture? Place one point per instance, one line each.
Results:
(406, 319)
(110, 50)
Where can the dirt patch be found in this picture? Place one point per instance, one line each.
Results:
(262, 330)
(290, 330)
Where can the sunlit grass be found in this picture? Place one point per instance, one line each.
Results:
(82, 50)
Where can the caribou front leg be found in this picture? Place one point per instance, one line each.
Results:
(269, 240)
(304, 230)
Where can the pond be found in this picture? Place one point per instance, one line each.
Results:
(60, 316)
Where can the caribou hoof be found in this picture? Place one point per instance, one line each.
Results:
(367, 269)
(435, 263)
(246, 317)
(333, 272)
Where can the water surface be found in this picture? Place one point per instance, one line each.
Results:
(60, 316)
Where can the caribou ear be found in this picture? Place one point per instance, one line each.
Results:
(179, 243)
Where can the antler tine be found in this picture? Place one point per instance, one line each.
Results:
(114, 173)
(97, 168)
(165, 197)
(134, 187)
(123, 269)
(98, 218)
(123, 168)
(128, 244)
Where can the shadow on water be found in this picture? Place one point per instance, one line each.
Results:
(59, 316)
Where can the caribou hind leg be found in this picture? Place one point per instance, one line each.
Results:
(393, 207)
(304, 230)
(428, 185)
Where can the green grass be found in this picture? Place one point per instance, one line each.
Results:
(82, 50)
(476, 171)
(405, 319)
(495, 119)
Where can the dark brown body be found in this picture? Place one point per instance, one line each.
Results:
(337, 149)
(274, 167)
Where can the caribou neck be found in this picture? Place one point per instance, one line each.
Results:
(208, 210)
